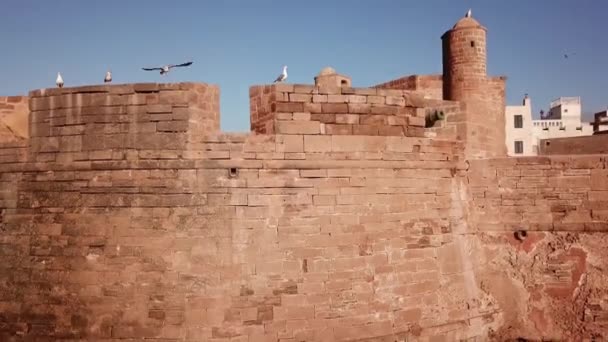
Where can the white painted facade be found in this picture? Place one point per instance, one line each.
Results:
(523, 134)
(563, 120)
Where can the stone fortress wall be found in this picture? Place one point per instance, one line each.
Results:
(343, 216)
(13, 117)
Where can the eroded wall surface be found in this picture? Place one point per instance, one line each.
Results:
(550, 283)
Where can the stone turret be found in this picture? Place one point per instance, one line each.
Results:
(464, 60)
(482, 98)
(328, 77)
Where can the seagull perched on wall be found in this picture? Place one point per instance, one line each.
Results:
(108, 77)
(165, 69)
(468, 15)
(283, 76)
(59, 80)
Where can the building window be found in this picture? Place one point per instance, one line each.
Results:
(472, 43)
(519, 121)
(519, 147)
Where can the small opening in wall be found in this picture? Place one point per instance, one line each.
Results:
(520, 235)
(233, 172)
(344, 82)
(547, 143)
(472, 43)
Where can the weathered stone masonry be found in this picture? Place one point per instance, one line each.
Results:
(260, 237)
(13, 118)
(128, 215)
(557, 270)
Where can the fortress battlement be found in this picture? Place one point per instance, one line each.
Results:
(388, 213)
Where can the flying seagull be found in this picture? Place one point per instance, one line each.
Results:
(59, 80)
(108, 77)
(283, 76)
(468, 15)
(165, 69)
(567, 55)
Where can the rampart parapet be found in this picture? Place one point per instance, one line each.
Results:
(119, 121)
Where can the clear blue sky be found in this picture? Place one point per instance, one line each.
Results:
(240, 43)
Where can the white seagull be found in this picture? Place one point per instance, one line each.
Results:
(108, 77)
(165, 69)
(283, 76)
(468, 15)
(59, 80)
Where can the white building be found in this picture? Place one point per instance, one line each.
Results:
(524, 133)
(519, 132)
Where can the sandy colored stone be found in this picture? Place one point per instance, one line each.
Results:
(128, 215)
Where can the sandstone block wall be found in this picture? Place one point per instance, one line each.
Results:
(476, 121)
(13, 146)
(128, 216)
(485, 120)
(13, 153)
(306, 109)
(14, 114)
(430, 86)
(594, 144)
(557, 270)
(260, 238)
(119, 122)
(557, 193)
